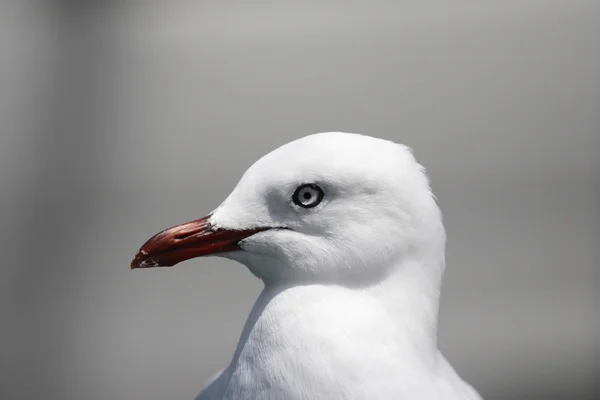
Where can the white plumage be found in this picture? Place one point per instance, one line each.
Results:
(350, 304)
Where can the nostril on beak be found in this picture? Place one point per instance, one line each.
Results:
(188, 233)
(183, 235)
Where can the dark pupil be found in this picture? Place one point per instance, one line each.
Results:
(307, 195)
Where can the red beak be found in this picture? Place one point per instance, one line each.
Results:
(190, 240)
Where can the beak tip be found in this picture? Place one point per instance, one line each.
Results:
(141, 260)
(135, 263)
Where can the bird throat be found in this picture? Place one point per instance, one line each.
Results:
(292, 329)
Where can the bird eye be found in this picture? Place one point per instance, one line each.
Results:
(308, 195)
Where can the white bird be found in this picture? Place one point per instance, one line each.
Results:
(346, 235)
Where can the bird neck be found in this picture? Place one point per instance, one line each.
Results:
(398, 314)
(410, 296)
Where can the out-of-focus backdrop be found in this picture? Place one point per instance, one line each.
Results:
(120, 118)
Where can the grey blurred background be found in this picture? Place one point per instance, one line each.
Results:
(118, 119)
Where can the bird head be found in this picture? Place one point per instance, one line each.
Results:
(327, 207)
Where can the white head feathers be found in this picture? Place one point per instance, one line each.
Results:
(376, 208)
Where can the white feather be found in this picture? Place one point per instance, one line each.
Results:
(349, 308)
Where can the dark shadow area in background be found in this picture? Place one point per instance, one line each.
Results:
(59, 200)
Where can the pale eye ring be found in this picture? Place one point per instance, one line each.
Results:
(308, 195)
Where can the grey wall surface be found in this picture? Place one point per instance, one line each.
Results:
(118, 119)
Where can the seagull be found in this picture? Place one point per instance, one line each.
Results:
(346, 234)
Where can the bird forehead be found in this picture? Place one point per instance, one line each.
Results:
(338, 162)
(344, 146)
(289, 172)
(329, 156)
